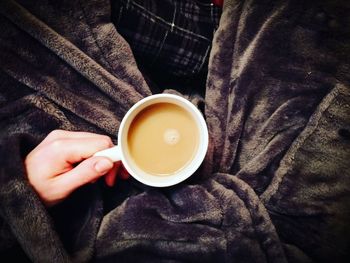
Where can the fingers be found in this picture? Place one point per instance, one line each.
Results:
(87, 171)
(112, 174)
(117, 171)
(62, 134)
(73, 150)
(59, 134)
(123, 174)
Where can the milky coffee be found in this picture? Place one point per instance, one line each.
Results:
(162, 139)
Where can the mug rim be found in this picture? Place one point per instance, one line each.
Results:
(190, 168)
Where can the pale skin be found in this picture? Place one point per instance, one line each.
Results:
(64, 161)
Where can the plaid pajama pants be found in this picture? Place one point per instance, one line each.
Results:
(171, 40)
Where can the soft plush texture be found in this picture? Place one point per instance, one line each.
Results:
(275, 184)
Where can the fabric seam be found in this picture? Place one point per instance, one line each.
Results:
(298, 143)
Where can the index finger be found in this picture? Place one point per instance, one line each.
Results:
(63, 134)
(74, 150)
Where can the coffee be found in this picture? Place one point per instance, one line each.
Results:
(162, 139)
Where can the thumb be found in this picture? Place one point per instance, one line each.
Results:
(89, 170)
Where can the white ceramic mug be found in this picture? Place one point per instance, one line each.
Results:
(120, 152)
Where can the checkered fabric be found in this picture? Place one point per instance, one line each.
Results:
(169, 38)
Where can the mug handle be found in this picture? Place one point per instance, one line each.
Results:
(112, 153)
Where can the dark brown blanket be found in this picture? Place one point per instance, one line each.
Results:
(275, 184)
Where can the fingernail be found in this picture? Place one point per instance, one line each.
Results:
(103, 166)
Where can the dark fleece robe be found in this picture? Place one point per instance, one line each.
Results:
(275, 184)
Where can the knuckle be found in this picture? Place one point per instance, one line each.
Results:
(106, 142)
(34, 160)
(55, 133)
(56, 145)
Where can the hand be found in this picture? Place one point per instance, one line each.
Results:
(51, 168)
